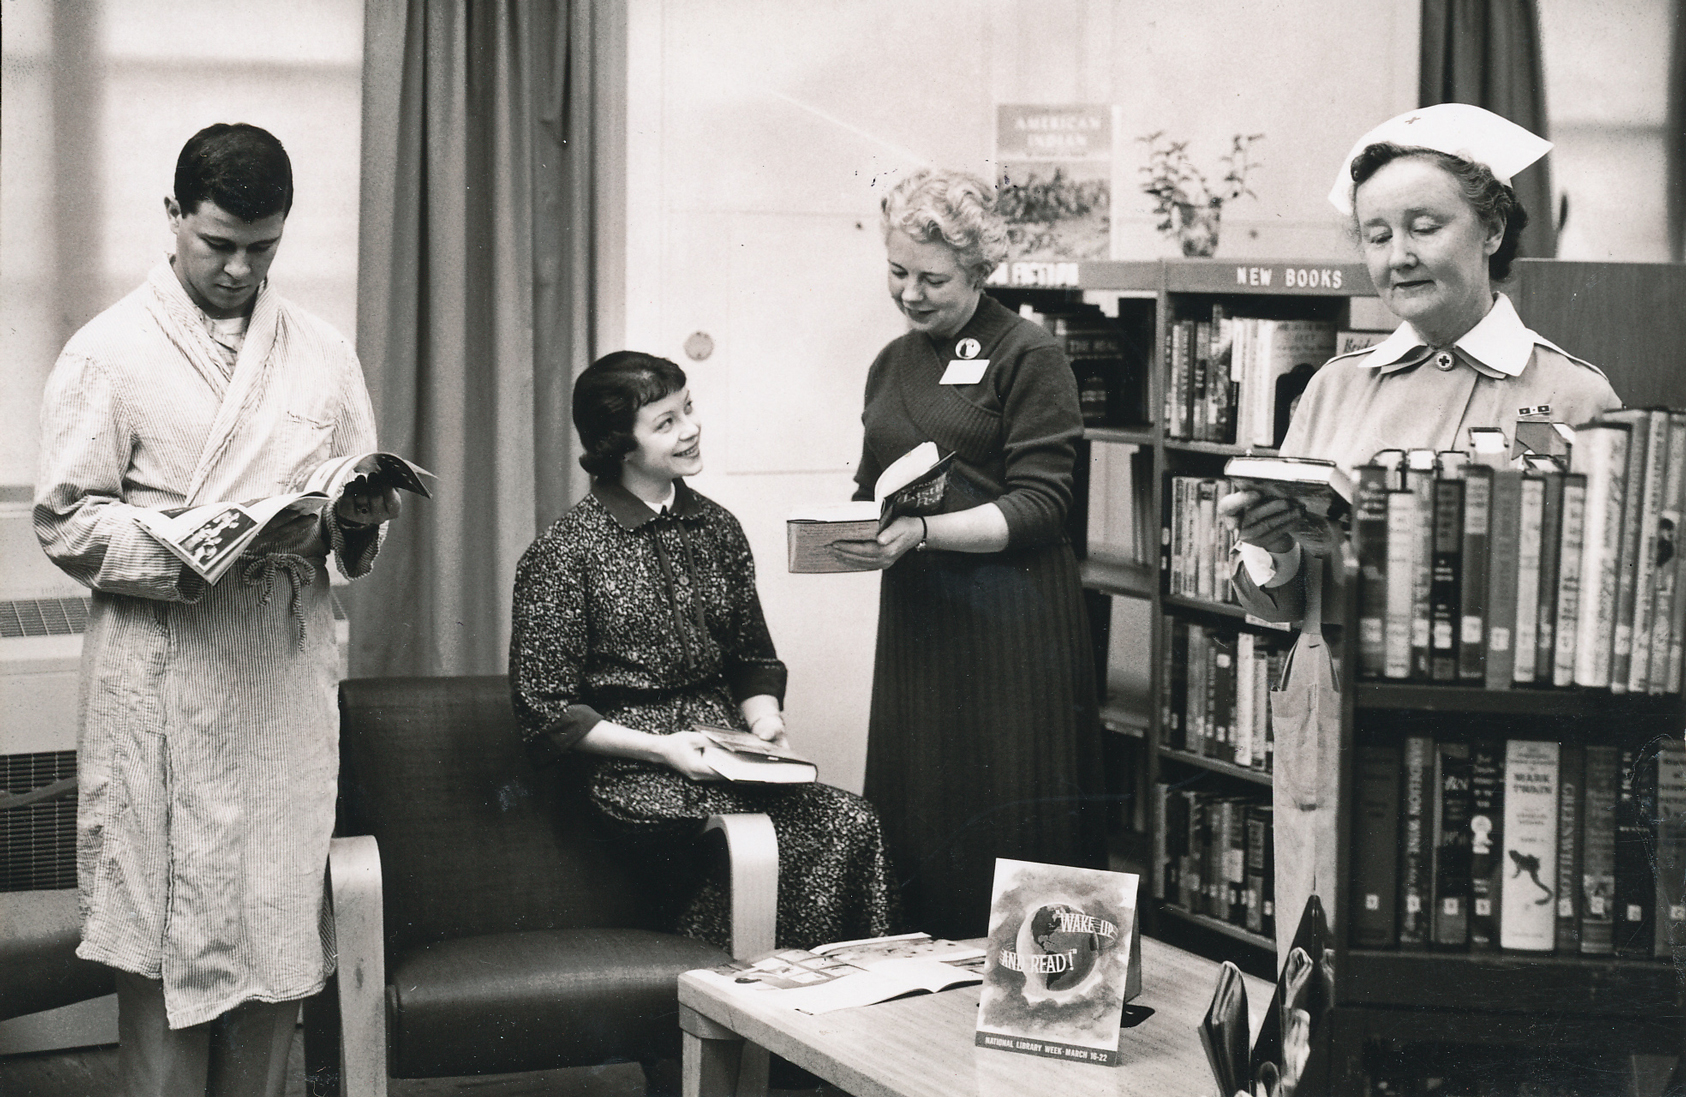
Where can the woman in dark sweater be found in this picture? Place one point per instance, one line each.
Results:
(635, 619)
(984, 740)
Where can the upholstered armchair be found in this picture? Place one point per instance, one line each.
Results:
(484, 924)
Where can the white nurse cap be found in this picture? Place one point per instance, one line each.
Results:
(1459, 129)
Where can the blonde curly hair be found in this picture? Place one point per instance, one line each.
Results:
(955, 207)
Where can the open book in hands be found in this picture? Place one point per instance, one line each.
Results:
(211, 537)
(1319, 491)
(744, 756)
(912, 484)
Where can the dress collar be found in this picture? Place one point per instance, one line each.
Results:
(1501, 345)
(631, 512)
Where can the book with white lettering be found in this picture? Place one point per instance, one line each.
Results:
(846, 974)
(911, 484)
(1063, 956)
(211, 537)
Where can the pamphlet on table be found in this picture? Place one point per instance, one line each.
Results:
(852, 973)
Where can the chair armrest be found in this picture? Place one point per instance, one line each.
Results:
(354, 882)
(752, 853)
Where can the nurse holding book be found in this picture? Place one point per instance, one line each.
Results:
(1428, 194)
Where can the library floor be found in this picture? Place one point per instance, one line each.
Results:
(92, 1072)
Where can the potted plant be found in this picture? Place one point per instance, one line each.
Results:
(1189, 207)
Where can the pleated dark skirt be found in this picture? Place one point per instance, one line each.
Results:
(984, 738)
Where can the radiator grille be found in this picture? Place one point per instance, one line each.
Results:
(43, 617)
(38, 841)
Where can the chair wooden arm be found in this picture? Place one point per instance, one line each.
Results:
(354, 882)
(752, 849)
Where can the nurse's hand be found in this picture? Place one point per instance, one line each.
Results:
(683, 752)
(898, 539)
(1261, 520)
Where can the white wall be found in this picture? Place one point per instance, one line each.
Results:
(99, 96)
(761, 133)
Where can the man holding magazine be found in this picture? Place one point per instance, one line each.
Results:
(208, 750)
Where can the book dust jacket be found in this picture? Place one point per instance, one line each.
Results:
(1063, 956)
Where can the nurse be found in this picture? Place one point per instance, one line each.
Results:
(1428, 194)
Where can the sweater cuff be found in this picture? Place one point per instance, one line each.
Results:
(755, 679)
(1030, 520)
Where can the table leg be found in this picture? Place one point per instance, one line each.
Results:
(717, 1062)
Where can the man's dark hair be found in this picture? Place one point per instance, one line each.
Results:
(607, 397)
(241, 168)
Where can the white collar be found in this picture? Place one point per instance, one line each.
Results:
(1501, 342)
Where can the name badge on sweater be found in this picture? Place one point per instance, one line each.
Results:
(962, 371)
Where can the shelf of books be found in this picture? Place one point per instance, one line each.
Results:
(1180, 365)
(1513, 774)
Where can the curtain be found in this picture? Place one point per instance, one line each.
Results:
(473, 307)
(1487, 53)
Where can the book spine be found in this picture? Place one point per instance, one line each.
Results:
(1178, 737)
(1223, 696)
(1569, 573)
(1235, 862)
(1207, 528)
(1242, 723)
(1416, 801)
(1529, 542)
(1369, 535)
(1444, 597)
(1503, 565)
(1636, 894)
(1185, 379)
(1451, 844)
(1257, 827)
(1267, 815)
(1168, 412)
(1571, 804)
(1472, 579)
(1551, 551)
(1670, 822)
(1601, 453)
(1212, 900)
(1627, 559)
(1161, 816)
(1638, 676)
(1401, 570)
(1201, 430)
(1172, 538)
(1188, 880)
(1486, 841)
(1196, 692)
(1375, 852)
(1598, 851)
(1528, 915)
(1663, 626)
(1421, 483)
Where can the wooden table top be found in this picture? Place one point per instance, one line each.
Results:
(922, 1046)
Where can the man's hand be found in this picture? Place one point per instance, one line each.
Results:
(1261, 520)
(367, 507)
(290, 532)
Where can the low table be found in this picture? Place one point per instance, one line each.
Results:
(922, 1046)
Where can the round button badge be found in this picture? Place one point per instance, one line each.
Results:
(967, 348)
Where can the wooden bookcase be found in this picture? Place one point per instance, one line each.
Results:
(1150, 298)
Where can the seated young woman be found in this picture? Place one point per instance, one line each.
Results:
(636, 618)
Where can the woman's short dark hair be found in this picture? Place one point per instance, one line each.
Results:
(240, 167)
(607, 396)
(1494, 202)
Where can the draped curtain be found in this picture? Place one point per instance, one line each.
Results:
(473, 307)
(1487, 53)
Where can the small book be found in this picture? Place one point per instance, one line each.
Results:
(1598, 851)
(1451, 844)
(1528, 911)
(1224, 1032)
(1576, 522)
(1376, 847)
(1446, 573)
(1321, 487)
(1369, 537)
(1571, 804)
(1634, 924)
(1503, 565)
(1473, 592)
(851, 973)
(1416, 833)
(1671, 852)
(1064, 955)
(746, 757)
(1601, 453)
(211, 537)
(1487, 838)
(912, 484)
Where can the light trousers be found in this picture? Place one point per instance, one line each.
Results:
(243, 1053)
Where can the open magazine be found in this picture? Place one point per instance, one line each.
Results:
(853, 973)
(912, 484)
(743, 756)
(211, 537)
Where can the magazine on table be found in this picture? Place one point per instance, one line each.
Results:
(209, 538)
(1064, 955)
(743, 756)
(912, 484)
(852, 973)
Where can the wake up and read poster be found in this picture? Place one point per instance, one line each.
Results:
(1063, 957)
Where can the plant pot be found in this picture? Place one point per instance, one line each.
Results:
(1197, 229)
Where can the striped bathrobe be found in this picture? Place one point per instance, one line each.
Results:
(208, 751)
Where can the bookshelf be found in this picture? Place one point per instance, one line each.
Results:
(1149, 298)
